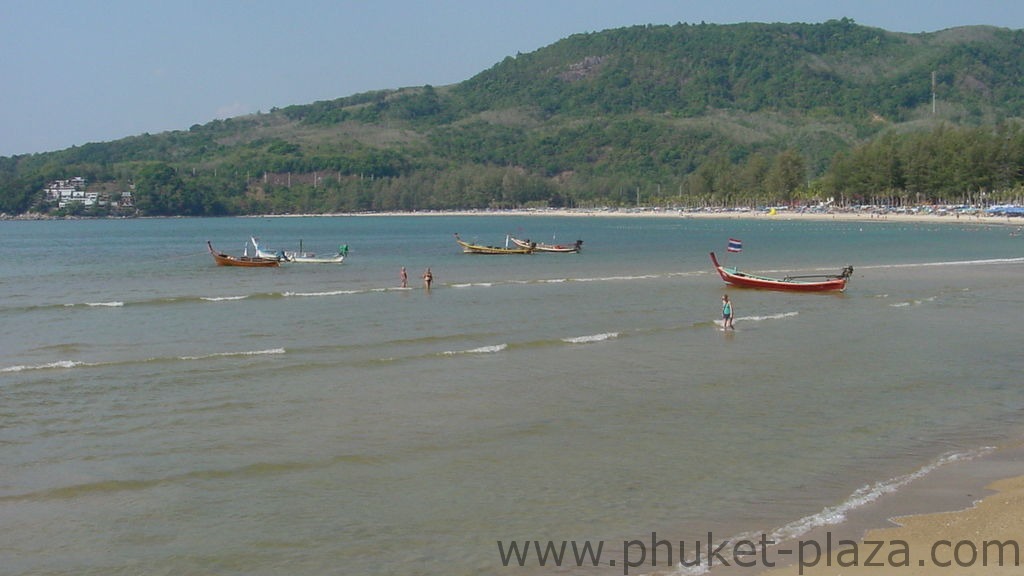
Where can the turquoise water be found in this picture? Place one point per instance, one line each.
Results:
(162, 415)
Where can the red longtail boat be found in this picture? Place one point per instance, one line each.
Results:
(810, 283)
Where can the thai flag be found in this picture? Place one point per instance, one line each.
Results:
(735, 245)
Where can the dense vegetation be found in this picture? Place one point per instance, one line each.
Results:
(660, 115)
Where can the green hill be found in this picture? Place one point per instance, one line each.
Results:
(682, 114)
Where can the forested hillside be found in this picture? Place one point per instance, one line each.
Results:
(672, 115)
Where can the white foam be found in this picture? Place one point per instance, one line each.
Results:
(114, 304)
(868, 494)
(329, 293)
(778, 316)
(57, 364)
(591, 338)
(222, 298)
(951, 263)
(610, 278)
(225, 354)
(480, 350)
(836, 514)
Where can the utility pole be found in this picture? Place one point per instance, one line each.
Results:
(933, 93)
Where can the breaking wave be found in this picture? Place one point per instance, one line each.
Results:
(591, 338)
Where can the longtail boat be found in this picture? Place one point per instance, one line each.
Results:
(481, 249)
(810, 283)
(223, 259)
(310, 258)
(542, 247)
(300, 256)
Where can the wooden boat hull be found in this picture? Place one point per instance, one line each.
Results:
(553, 248)
(736, 278)
(299, 257)
(480, 249)
(223, 259)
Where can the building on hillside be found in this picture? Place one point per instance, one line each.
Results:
(73, 190)
(65, 191)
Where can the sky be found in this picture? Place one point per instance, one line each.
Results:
(80, 71)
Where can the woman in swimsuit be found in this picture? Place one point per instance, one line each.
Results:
(727, 313)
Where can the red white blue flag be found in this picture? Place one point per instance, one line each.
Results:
(734, 245)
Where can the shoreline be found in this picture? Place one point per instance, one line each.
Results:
(740, 214)
(835, 216)
(941, 523)
(953, 516)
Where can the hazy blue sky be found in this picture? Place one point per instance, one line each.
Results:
(78, 71)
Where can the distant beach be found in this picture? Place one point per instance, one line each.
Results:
(836, 215)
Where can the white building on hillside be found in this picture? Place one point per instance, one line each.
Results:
(64, 192)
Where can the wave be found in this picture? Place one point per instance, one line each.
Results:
(948, 263)
(778, 316)
(618, 278)
(112, 304)
(221, 298)
(569, 280)
(410, 348)
(69, 364)
(326, 293)
(832, 515)
(480, 350)
(49, 365)
(229, 354)
(591, 338)
(913, 302)
(869, 493)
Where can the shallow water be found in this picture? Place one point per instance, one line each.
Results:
(162, 415)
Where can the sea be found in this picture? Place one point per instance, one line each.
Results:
(162, 415)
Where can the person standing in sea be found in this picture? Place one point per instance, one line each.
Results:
(404, 277)
(727, 314)
(428, 278)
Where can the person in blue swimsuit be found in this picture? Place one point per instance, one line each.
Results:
(727, 313)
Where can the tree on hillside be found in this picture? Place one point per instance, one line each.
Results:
(159, 191)
(787, 175)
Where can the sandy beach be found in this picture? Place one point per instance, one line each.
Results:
(972, 529)
(836, 216)
(964, 517)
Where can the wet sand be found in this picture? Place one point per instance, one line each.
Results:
(956, 520)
